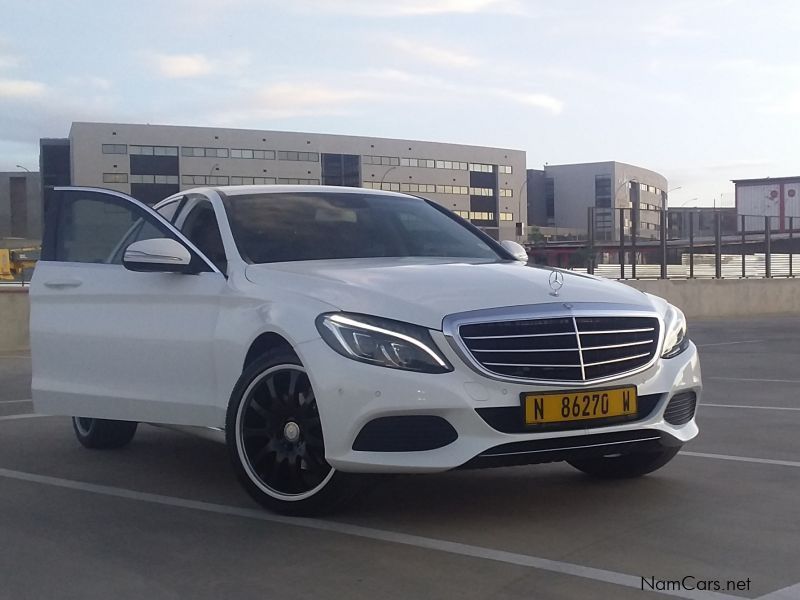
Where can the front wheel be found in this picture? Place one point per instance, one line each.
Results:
(103, 434)
(625, 466)
(275, 440)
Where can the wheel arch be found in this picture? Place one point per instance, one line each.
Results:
(264, 343)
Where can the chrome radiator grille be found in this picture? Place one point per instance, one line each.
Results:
(563, 348)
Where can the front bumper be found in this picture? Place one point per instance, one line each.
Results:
(351, 394)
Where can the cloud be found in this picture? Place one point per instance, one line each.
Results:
(671, 27)
(181, 66)
(437, 55)
(411, 8)
(544, 101)
(289, 99)
(785, 105)
(21, 88)
(8, 61)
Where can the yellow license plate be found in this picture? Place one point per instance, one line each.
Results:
(578, 406)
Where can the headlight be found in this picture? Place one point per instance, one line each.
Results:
(675, 338)
(382, 342)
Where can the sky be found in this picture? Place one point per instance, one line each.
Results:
(701, 91)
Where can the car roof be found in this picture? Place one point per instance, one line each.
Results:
(241, 190)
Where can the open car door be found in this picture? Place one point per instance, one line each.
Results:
(114, 343)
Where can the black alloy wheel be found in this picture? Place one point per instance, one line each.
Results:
(274, 434)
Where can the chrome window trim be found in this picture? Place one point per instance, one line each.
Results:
(552, 310)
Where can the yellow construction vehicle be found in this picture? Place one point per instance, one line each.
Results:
(16, 264)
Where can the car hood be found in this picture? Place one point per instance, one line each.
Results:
(424, 291)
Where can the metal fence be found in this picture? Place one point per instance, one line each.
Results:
(648, 244)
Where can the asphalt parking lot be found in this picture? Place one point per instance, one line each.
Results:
(165, 518)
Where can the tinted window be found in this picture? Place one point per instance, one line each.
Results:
(201, 228)
(93, 227)
(316, 225)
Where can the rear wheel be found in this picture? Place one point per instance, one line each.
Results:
(103, 434)
(625, 466)
(275, 440)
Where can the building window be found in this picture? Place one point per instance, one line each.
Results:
(299, 156)
(254, 154)
(235, 180)
(464, 214)
(297, 181)
(154, 179)
(205, 180)
(504, 169)
(506, 193)
(602, 191)
(391, 161)
(115, 178)
(550, 199)
(154, 150)
(427, 188)
(479, 191)
(506, 216)
(481, 216)
(208, 152)
(429, 163)
(115, 148)
(480, 168)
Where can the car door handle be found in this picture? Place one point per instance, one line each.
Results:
(63, 283)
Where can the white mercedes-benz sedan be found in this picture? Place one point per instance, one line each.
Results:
(338, 332)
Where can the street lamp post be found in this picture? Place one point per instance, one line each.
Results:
(23, 168)
(519, 207)
(385, 174)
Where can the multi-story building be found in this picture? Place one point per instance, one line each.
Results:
(20, 205)
(568, 191)
(151, 162)
(775, 197)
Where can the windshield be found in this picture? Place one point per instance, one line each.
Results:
(280, 227)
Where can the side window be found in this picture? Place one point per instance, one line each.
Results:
(201, 228)
(92, 226)
(169, 210)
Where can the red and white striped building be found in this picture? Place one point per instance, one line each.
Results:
(775, 197)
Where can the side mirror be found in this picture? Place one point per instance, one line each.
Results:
(516, 250)
(161, 255)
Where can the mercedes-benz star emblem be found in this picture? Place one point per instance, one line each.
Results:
(556, 282)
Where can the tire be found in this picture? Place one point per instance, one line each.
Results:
(275, 440)
(103, 434)
(625, 466)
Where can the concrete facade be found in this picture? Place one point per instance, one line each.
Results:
(20, 205)
(153, 161)
(570, 190)
(775, 197)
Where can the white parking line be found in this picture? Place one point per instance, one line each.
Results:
(755, 380)
(14, 401)
(747, 459)
(729, 343)
(15, 417)
(381, 535)
(751, 406)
